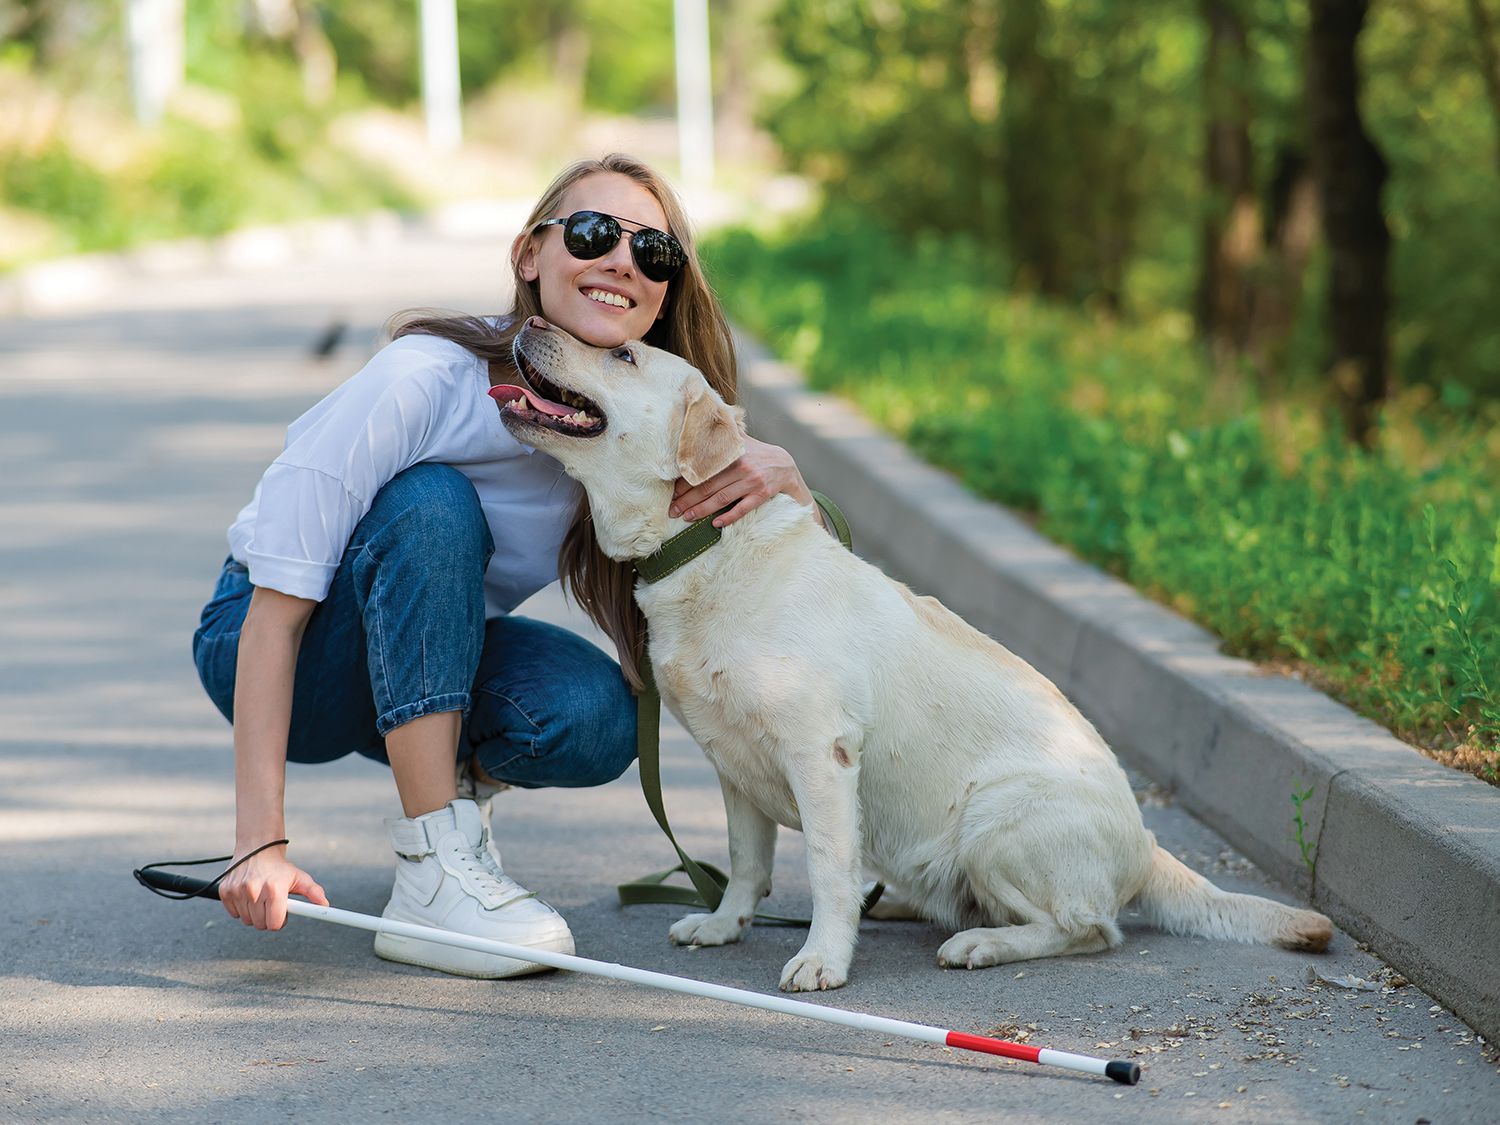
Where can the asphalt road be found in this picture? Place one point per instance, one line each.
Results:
(130, 434)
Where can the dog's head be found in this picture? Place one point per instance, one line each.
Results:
(625, 422)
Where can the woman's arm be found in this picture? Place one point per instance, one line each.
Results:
(270, 637)
(763, 472)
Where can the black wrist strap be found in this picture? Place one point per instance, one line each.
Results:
(209, 890)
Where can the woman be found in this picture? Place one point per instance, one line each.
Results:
(365, 604)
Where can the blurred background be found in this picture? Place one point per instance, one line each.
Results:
(1208, 286)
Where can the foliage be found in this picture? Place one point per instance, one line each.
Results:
(1376, 574)
(1428, 111)
(628, 65)
(244, 147)
(1067, 137)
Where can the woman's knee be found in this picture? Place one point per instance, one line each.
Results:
(432, 504)
(577, 732)
(597, 738)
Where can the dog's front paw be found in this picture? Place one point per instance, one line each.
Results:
(972, 949)
(708, 929)
(808, 972)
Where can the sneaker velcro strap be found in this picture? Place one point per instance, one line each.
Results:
(409, 838)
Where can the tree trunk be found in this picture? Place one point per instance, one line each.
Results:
(1349, 172)
(1032, 141)
(1276, 297)
(1232, 236)
(1489, 59)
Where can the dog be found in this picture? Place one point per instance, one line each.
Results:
(834, 701)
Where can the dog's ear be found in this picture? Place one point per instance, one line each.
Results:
(710, 440)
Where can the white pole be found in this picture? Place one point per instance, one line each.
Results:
(442, 99)
(154, 32)
(1124, 1072)
(1121, 1070)
(695, 94)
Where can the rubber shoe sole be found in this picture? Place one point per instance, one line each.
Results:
(465, 962)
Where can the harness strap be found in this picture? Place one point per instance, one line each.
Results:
(708, 881)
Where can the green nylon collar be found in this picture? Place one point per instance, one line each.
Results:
(681, 549)
(698, 537)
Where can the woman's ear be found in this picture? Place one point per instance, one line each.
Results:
(523, 254)
(710, 440)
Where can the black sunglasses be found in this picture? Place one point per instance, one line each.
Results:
(592, 234)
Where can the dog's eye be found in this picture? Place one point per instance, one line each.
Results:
(625, 354)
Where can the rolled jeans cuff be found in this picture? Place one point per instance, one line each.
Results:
(452, 701)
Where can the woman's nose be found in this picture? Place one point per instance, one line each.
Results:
(619, 259)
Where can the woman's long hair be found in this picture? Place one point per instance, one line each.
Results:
(694, 327)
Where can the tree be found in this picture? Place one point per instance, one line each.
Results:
(1350, 173)
(1488, 58)
(1232, 235)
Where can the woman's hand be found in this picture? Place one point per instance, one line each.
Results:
(255, 891)
(762, 472)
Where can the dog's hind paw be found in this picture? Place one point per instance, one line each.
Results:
(807, 972)
(708, 929)
(972, 949)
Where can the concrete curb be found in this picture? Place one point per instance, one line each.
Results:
(1407, 852)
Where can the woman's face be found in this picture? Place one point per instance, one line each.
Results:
(577, 295)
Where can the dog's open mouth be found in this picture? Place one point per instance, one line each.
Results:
(543, 403)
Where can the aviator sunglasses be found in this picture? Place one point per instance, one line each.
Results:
(592, 234)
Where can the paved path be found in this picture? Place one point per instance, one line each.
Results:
(130, 434)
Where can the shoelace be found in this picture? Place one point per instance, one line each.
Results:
(480, 865)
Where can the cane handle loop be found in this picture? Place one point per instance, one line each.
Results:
(209, 890)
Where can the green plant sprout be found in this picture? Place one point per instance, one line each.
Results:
(1303, 844)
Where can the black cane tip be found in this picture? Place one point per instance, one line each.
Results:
(1126, 1073)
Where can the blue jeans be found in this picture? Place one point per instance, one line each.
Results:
(402, 634)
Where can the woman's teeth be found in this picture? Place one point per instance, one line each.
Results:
(606, 298)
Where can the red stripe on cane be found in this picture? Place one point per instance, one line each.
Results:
(994, 1046)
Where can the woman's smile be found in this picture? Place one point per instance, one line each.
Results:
(609, 297)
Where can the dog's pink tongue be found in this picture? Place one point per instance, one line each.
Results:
(506, 393)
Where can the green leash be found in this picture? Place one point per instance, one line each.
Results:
(708, 881)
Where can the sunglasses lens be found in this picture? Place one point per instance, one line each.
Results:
(657, 253)
(588, 235)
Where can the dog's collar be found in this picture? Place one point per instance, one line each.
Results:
(681, 549)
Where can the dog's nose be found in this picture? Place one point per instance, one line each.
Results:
(538, 323)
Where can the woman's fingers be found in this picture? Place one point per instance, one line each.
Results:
(721, 491)
(256, 892)
(763, 472)
(306, 888)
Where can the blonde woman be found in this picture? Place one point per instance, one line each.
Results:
(365, 605)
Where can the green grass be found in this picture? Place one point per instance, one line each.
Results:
(1372, 575)
(268, 160)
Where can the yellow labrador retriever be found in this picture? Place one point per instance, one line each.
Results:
(832, 700)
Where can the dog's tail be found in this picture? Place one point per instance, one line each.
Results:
(1180, 901)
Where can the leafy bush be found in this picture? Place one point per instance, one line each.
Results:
(628, 49)
(258, 154)
(1375, 575)
(52, 181)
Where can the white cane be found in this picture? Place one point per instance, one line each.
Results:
(1123, 1071)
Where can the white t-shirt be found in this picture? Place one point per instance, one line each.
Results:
(420, 399)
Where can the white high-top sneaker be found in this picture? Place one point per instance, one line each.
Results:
(449, 876)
